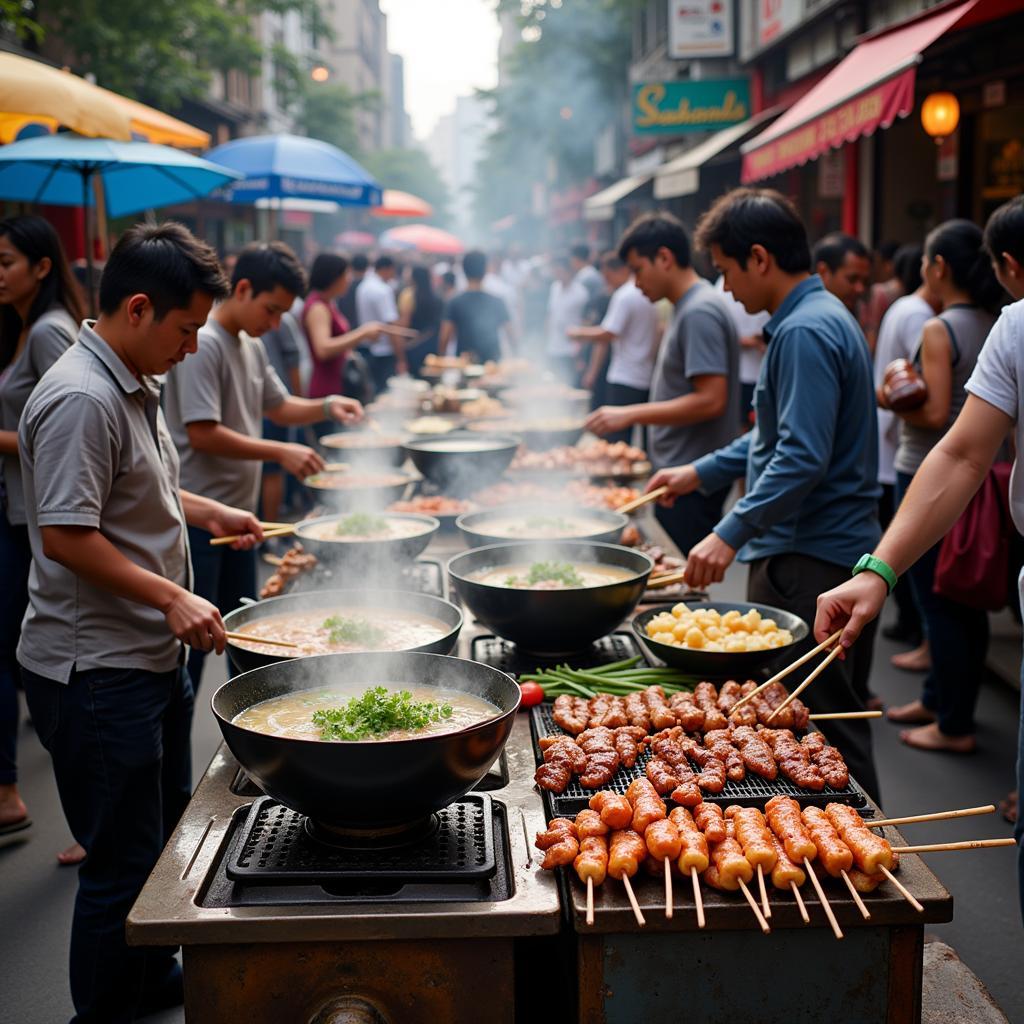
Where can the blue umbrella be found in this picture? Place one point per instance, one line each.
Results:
(293, 167)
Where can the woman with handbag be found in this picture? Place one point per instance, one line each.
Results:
(956, 269)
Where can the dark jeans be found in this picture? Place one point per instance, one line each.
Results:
(623, 394)
(381, 368)
(223, 577)
(692, 517)
(958, 639)
(15, 559)
(793, 583)
(908, 616)
(119, 739)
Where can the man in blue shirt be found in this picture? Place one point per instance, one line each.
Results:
(810, 463)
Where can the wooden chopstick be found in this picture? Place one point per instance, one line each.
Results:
(250, 638)
(644, 499)
(833, 654)
(789, 668)
(282, 531)
(667, 580)
(910, 819)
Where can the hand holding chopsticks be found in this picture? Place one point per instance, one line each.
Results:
(269, 530)
(644, 499)
(789, 668)
(832, 655)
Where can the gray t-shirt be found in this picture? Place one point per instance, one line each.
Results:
(701, 340)
(227, 381)
(48, 339)
(96, 452)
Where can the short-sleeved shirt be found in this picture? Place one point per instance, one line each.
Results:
(375, 300)
(478, 318)
(633, 319)
(701, 341)
(96, 452)
(227, 381)
(48, 339)
(998, 379)
(565, 310)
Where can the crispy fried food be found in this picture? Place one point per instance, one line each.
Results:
(693, 844)
(647, 806)
(827, 759)
(871, 852)
(592, 860)
(753, 835)
(627, 743)
(661, 775)
(688, 715)
(615, 810)
(571, 714)
(626, 850)
(728, 864)
(793, 760)
(636, 710)
(710, 819)
(785, 871)
(662, 716)
(719, 742)
(601, 766)
(756, 754)
(712, 774)
(706, 698)
(668, 749)
(663, 840)
(560, 843)
(835, 856)
(785, 820)
(554, 776)
(589, 823)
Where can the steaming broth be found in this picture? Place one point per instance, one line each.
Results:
(361, 526)
(345, 481)
(462, 444)
(552, 576)
(291, 715)
(354, 629)
(543, 527)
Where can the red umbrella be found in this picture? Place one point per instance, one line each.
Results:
(424, 238)
(402, 204)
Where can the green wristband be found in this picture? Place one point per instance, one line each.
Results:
(879, 568)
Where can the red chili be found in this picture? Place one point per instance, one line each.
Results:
(532, 693)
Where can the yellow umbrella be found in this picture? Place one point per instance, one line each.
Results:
(161, 128)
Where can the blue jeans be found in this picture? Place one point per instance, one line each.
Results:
(692, 517)
(119, 739)
(958, 638)
(223, 577)
(15, 559)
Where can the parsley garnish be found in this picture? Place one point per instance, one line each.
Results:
(360, 524)
(541, 572)
(378, 712)
(353, 631)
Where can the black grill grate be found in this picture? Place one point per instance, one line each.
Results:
(273, 846)
(752, 791)
(506, 657)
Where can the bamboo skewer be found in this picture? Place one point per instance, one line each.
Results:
(250, 638)
(749, 897)
(969, 844)
(833, 654)
(632, 901)
(765, 907)
(800, 902)
(826, 906)
(644, 499)
(668, 888)
(904, 891)
(832, 716)
(590, 899)
(697, 898)
(789, 668)
(864, 912)
(964, 812)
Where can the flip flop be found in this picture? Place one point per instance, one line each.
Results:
(15, 826)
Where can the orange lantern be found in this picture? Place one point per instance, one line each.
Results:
(940, 114)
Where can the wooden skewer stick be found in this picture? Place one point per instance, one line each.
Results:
(632, 901)
(800, 902)
(697, 898)
(826, 906)
(250, 638)
(590, 899)
(838, 715)
(282, 531)
(749, 897)
(668, 580)
(789, 668)
(833, 654)
(644, 499)
(668, 888)
(864, 912)
(969, 844)
(765, 908)
(904, 891)
(910, 819)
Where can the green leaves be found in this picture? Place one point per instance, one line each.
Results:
(378, 712)
(354, 631)
(361, 524)
(544, 572)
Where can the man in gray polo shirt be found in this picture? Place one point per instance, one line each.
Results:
(109, 599)
(215, 404)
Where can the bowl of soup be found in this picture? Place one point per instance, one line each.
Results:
(365, 448)
(462, 461)
(341, 622)
(353, 487)
(541, 521)
(367, 741)
(367, 540)
(550, 597)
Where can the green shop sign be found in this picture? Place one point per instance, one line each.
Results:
(670, 108)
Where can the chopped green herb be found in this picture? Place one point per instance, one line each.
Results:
(378, 712)
(354, 631)
(542, 572)
(360, 524)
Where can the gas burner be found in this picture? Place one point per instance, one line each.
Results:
(372, 839)
(505, 656)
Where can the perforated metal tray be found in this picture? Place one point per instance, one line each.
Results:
(506, 657)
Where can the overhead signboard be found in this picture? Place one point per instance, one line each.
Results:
(700, 28)
(775, 18)
(673, 108)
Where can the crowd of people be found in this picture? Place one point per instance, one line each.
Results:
(131, 441)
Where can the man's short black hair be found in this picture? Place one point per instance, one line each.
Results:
(360, 263)
(654, 231)
(833, 249)
(580, 252)
(474, 265)
(448, 279)
(1004, 231)
(167, 263)
(746, 217)
(383, 263)
(267, 265)
(887, 250)
(906, 265)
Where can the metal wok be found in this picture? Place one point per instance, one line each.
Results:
(550, 622)
(365, 448)
(383, 553)
(476, 527)
(359, 490)
(242, 659)
(739, 664)
(461, 472)
(382, 784)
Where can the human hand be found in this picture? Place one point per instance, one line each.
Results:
(850, 607)
(707, 561)
(196, 622)
(226, 521)
(679, 480)
(346, 410)
(299, 460)
(608, 419)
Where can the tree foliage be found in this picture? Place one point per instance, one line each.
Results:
(328, 112)
(411, 170)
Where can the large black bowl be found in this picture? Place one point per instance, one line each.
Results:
(365, 448)
(368, 555)
(241, 659)
(721, 664)
(550, 622)
(364, 489)
(375, 784)
(476, 527)
(462, 472)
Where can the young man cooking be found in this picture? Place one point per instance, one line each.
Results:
(110, 602)
(215, 405)
(811, 461)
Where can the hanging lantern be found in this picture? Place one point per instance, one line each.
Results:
(940, 114)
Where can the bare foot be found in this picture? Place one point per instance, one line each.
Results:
(875, 703)
(914, 713)
(13, 812)
(917, 660)
(1008, 807)
(929, 737)
(73, 855)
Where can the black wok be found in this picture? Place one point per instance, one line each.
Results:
(371, 784)
(477, 527)
(242, 659)
(739, 664)
(461, 472)
(359, 489)
(365, 448)
(368, 554)
(550, 622)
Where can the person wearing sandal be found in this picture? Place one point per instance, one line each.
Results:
(957, 271)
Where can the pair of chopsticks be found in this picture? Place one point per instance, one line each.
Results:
(644, 499)
(269, 530)
(250, 638)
